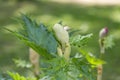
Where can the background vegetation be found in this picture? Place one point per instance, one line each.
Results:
(90, 19)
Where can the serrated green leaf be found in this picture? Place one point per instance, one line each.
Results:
(40, 35)
(83, 68)
(109, 43)
(79, 40)
(37, 37)
(59, 69)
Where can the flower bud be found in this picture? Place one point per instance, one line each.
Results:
(66, 28)
(103, 33)
(61, 34)
(63, 37)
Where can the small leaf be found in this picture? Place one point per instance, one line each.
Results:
(22, 63)
(79, 40)
(92, 59)
(109, 43)
(16, 76)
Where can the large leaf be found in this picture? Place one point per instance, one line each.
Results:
(37, 37)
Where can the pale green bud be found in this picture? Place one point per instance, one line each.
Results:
(61, 34)
(63, 37)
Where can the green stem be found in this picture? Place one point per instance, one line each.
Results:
(100, 67)
(67, 51)
(99, 72)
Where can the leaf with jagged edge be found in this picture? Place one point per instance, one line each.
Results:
(83, 69)
(109, 42)
(37, 37)
(79, 40)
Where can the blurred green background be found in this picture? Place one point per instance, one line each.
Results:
(87, 18)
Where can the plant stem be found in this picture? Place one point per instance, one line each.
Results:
(59, 51)
(67, 51)
(34, 59)
(99, 72)
(100, 67)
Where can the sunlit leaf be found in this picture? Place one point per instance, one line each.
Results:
(22, 63)
(16, 76)
(92, 59)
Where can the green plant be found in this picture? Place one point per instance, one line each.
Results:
(16, 76)
(22, 63)
(105, 42)
(55, 47)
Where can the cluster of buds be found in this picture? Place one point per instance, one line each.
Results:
(63, 37)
